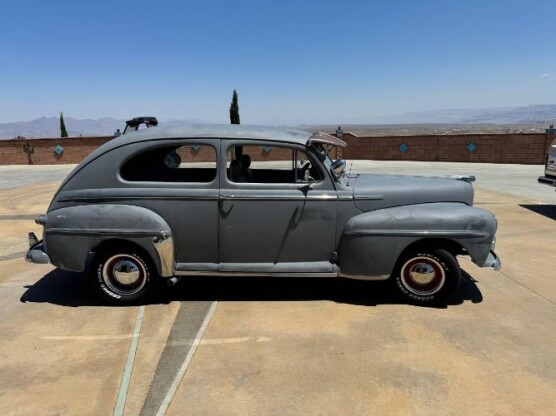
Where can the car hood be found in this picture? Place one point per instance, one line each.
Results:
(373, 192)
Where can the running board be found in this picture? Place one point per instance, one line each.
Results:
(253, 274)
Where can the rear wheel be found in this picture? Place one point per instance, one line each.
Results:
(427, 276)
(123, 277)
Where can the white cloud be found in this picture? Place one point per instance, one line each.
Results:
(546, 75)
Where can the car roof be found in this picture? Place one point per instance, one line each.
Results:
(192, 131)
(224, 131)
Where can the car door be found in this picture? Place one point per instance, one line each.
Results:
(271, 221)
(178, 180)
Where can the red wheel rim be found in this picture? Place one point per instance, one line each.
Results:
(423, 276)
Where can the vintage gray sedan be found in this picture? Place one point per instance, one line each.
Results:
(164, 203)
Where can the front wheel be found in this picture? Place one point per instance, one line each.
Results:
(123, 277)
(427, 276)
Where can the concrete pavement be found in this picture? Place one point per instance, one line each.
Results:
(13, 176)
(294, 346)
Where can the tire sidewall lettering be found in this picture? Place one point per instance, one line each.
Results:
(443, 259)
(405, 291)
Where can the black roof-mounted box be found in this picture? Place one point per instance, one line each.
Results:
(134, 123)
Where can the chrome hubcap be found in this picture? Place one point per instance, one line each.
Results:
(422, 273)
(124, 274)
(423, 276)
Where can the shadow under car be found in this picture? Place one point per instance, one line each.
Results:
(74, 289)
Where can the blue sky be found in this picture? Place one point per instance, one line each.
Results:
(291, 61)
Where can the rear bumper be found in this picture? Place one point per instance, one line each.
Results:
(547, 181)
(493, 261)
(36, 254)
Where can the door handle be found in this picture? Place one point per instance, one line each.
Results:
(305, 187)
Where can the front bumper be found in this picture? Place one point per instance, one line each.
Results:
(547, 180)
(493, 261)
(36, 254)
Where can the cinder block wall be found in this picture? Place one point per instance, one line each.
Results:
(41, 151)
(490, 148)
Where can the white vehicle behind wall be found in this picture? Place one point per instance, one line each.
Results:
(549, 177)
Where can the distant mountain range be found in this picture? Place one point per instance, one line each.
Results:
(533, 114)
(50, 127)
(498, 115)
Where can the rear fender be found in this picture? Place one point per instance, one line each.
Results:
(71, 233)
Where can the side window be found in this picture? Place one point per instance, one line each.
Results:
(189, 163)
(266, 164)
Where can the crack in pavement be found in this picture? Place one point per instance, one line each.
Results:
(525, 287)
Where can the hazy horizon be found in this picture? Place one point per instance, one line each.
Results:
(369, 120)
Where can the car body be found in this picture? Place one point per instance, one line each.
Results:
(549, 177)
(138, 214)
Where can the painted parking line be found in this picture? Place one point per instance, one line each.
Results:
(13, 256)
(186, 334)
(126, 377)
(89, 337)
(17, 217)
(185, 365)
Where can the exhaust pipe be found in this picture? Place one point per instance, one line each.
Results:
(173, 281)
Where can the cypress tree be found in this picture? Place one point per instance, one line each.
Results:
(234, 109)
(63, 131)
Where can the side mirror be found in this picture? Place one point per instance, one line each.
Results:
(337, 168)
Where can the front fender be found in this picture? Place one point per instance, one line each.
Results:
(372, 242)
(71, 233)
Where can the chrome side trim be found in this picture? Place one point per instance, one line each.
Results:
(364, 277)
(252, 274)
(104, 232)
(132, 197)
(376, 197)
(421, 233)
(234, 197)
(164, 247)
